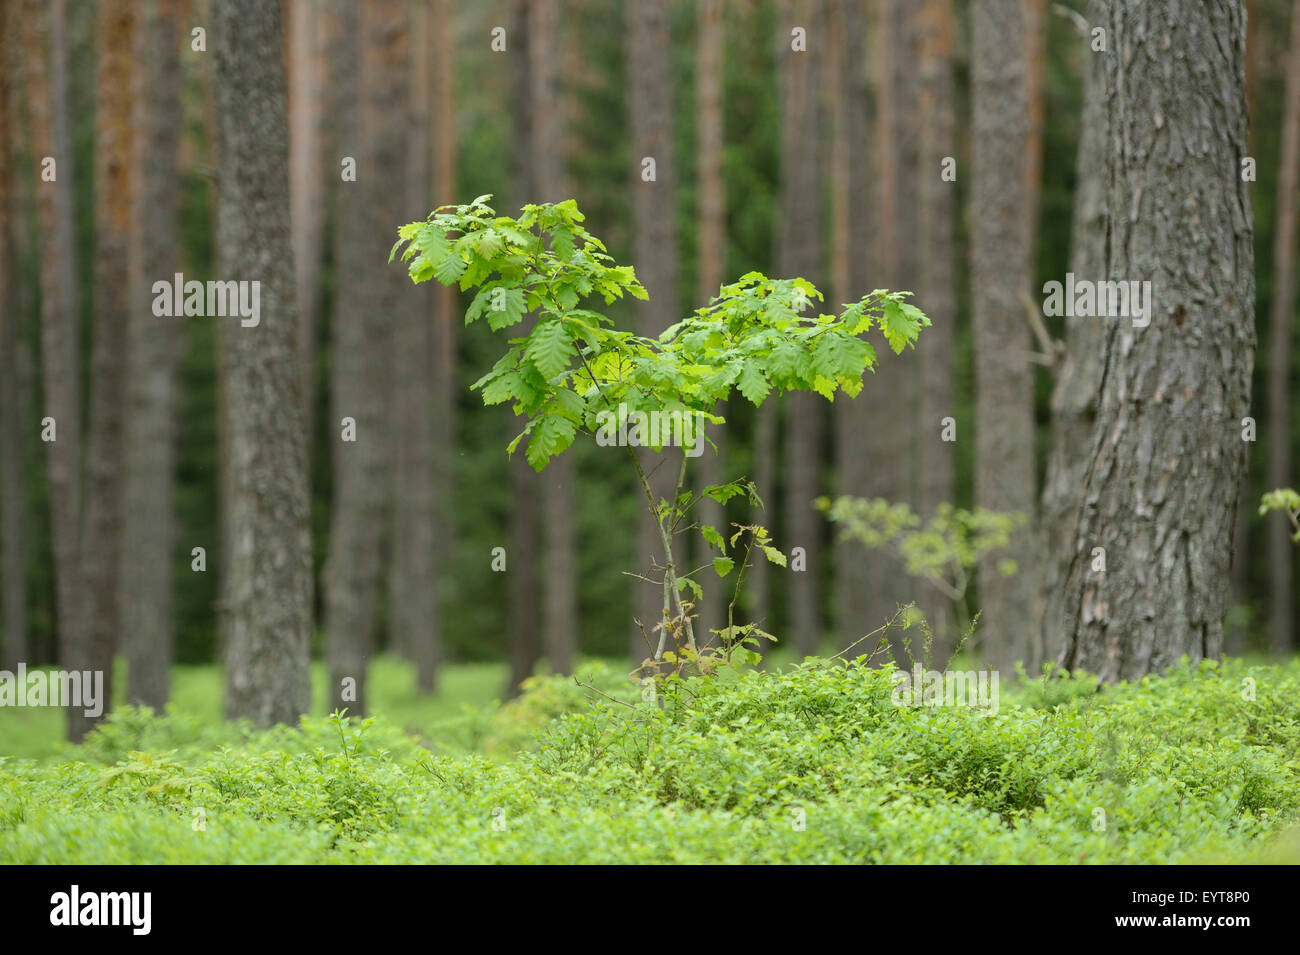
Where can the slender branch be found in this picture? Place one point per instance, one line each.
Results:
(1075, 18)
(1052, 350)
(740, 579)
(686, 620)
(887, 625)
(643, 577)
(604, 694)
(670, 570)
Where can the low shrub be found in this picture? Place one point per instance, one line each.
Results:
(812, 764)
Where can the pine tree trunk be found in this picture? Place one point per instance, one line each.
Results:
(523, 610)
(859, 593)
(446, 319)
(650, 104)
(422, 432)
(936, 292)
(559, 501)
(1282, 308)
(307, 166)
(1034, 14)
(152, 354)
(363, 332)
(1000, 277)
(1235, 632)
(45, 41)
(412, 602)
(103, 492)
(1078, 381)
(888, 443)
(13, 408)
(710, 51)
(270, 590)
(799, 253)
(1166, 455)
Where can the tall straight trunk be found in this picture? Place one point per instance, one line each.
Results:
(650, 103)
(1234, 636)
(1034, 14)
(711, 263)
(1282, 307)
(370, 296)
(103, 492)
(936, 290)
(1000, 277)
(13, 409)
(559, 505)
(152, 353)
(756, 603)
(307, 184)
(1235, 632)
(446, 316)
(888, 446)
(209, 150)
(523, 608)
(1166, 455)
(270, 591)
(858, 591)
(1078, 381)
(799, 253)
(413, 603)
(45, 43)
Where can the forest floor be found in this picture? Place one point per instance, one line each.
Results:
(815, 763)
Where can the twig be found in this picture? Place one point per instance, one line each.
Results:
(648, 580)
(613, 699)
(1052, 350)
(887, 625)
(1075, 18)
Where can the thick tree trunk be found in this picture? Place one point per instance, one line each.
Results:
(799, 253)
(270, 592)
(936, 292)
(152, 353)
(710, 50)
(1282, 308)
(1166, 456)
(1000, 276)
(650, 105)
(46, 93)
(1078, 382)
